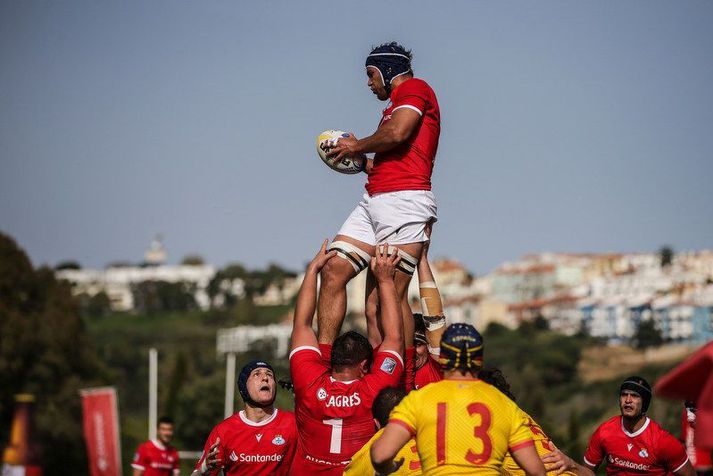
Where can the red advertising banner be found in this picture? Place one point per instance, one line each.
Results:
(101, 430)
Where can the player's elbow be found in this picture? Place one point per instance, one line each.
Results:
(379, 456)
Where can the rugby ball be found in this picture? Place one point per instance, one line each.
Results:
(328, 139)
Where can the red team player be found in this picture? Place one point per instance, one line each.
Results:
(632, 443)
(429, 325)
(426, 367)
(258, 440)
(398, 202)
(333, 406)
(157, 457)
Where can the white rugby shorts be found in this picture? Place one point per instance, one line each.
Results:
(396, 218)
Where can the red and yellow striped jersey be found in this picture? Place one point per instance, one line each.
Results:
(543, 445)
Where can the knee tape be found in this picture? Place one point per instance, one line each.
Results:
(358, 258)
(408, 263)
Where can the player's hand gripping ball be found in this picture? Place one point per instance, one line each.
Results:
(327, 140)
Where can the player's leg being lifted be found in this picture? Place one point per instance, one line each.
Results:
(332, 304)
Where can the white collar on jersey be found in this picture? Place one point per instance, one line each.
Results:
(347, 382)
(636, 433)
(247, 421)
(158, 444)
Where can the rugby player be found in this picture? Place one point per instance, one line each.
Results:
(157, 457)
(543, 443)
(398, 202)
(429, 326)
(462, 425)
(360, 465)
(630, 443)
(258, 440)
(333, 403)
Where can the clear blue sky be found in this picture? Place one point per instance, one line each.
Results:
(567, 126)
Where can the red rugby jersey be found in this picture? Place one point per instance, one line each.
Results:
(334, 418)
(409, 165)
(651, 450)
(429, 373)
(156, 459)
(249, 448)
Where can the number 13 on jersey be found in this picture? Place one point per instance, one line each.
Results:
(462, 433)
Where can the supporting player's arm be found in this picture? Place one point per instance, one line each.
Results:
(390, 134)
(302, 332)
(685, 470)
(559, 462)
(386, 447)
(528, 459)
(210, 462)
(431, 303)
(383, 267)
(138, 472)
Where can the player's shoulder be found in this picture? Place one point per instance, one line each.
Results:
(610, 427)
(146, 445)
(658, 431)
(231, 424)
(386, 360)
(285, 416)
(305, 351)
(417, 83)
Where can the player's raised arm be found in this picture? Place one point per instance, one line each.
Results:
(431, 303)
(383, 266)
(302, 332)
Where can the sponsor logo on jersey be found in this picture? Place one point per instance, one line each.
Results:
(628, 464)
(258, 437)
(325, 462)
(248, 458)
(643, 453)
(388, 365)
(278, 440)
(321, 394)
(233, 456)
(341, 401)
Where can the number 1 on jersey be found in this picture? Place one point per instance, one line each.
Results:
(335, 442)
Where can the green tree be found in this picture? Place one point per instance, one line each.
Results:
(647, 335)
(158, 296)
(69, 264)
(98, 305)
(176, 382)
(193, 260)
(44, 350)
(666, 256)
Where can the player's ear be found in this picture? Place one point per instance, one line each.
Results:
(377, 424)
(364, 366)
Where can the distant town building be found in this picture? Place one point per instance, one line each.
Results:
(606, 295)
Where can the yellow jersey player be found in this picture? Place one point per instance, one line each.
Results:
(360, 465)
(461, 424)
(543, 444)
